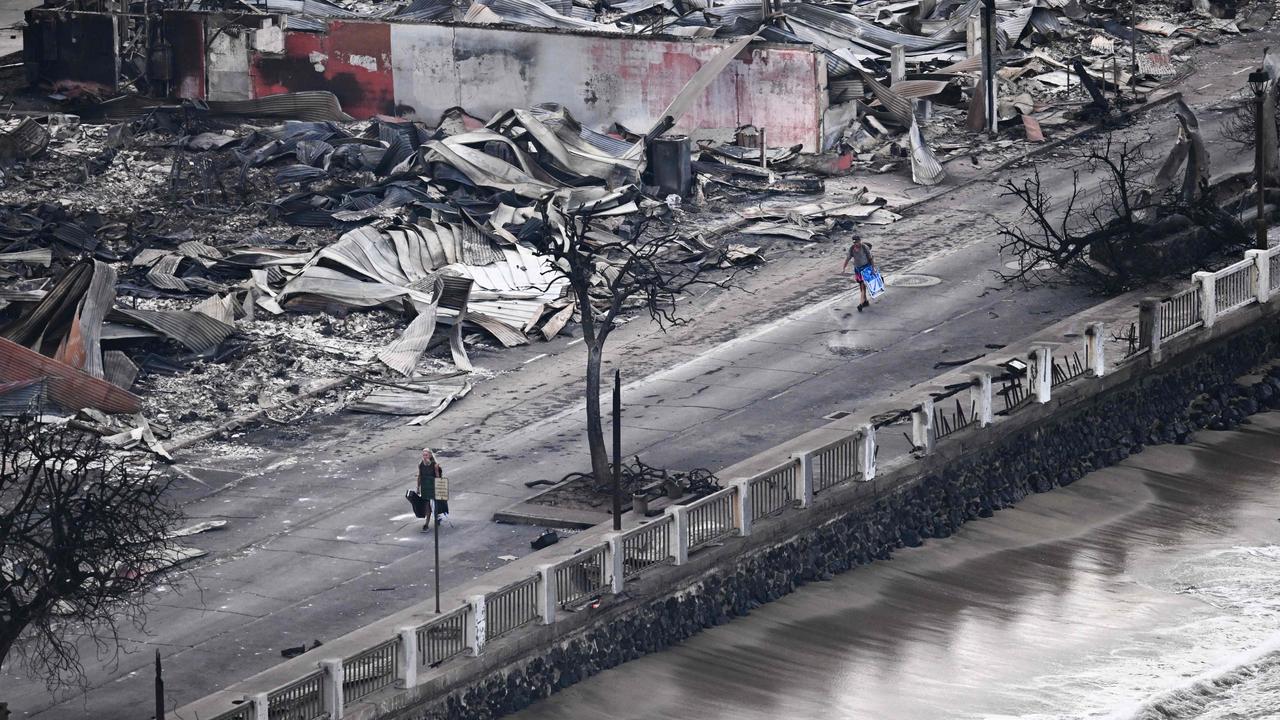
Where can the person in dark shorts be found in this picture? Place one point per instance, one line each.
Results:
(428, 471)
(860, 255)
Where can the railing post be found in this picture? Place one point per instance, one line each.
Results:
(1094, 337)
(617, 564)
(547, 594)
(261, 706)
(331, 687)
(1042, 383)
(981, 398)
(477, 628)
(922, 425)
(679, 538)
(1208, 297)
(1149, 329)
(408, 656)
(804, 476)
(742, 507)
(868, 451)
(1261, 273)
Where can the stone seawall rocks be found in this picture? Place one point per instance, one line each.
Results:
(1166, 405)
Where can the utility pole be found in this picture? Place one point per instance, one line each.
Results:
(617, 446)
(989, 65)
(1133, 48)
(159, 689)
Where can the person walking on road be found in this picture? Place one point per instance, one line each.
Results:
(860, 255)
(428, 471)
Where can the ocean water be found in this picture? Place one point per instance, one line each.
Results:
(1149, 591)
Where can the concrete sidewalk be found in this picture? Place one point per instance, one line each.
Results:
(320, 541)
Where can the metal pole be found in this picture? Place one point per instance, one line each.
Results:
(437, 551)
(1261, 242)
(989, 64)
(159, 690)
(1133, 45)
(617, 447)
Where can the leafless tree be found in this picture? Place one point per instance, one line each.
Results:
(83, 531)
(607, 276)
(1096, 233)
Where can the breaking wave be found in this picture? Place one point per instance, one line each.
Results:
(1245, 688)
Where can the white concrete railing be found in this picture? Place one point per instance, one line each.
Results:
(607, 567)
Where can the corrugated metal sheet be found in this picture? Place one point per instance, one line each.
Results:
(310, 105)
(402, 355)
(71, 388)
(40, 256)
(118, 369)
(162, 273)
(858, 30)
(925, 168)
(23, 397)
(196, 331)
(899, 106)
(504, 333)
(919, 88)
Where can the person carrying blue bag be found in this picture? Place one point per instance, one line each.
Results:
(864, 271)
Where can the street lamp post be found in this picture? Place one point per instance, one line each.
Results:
(617, 434)
(1258, 81)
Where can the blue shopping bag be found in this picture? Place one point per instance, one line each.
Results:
(875, 283)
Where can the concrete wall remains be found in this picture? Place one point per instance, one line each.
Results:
(380, 68)
(383, 68)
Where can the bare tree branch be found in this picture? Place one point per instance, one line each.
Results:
(83, 531)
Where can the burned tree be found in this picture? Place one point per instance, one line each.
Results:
(608, 275)
(82, 531)
(1111, 228)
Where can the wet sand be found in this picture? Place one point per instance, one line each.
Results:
(1148, 590)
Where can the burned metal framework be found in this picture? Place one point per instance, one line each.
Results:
(950, 420)
(1068, 368)
(1015, 383)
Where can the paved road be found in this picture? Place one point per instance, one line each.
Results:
(11, 13)
(318, 542)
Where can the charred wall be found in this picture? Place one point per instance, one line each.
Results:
(71, 50)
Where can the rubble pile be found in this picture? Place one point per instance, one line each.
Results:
(207, 260)
(1059, 60)
(196, 268)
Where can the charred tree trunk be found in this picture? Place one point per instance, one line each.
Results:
(595, 425)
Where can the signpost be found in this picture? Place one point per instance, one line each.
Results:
(440, 493)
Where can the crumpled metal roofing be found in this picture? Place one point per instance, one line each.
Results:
(69, 387)
(23, 397)
(369, 267)
(314, 105)
(859, 30)
(197, 331)
(925, 168)
(538, 14)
